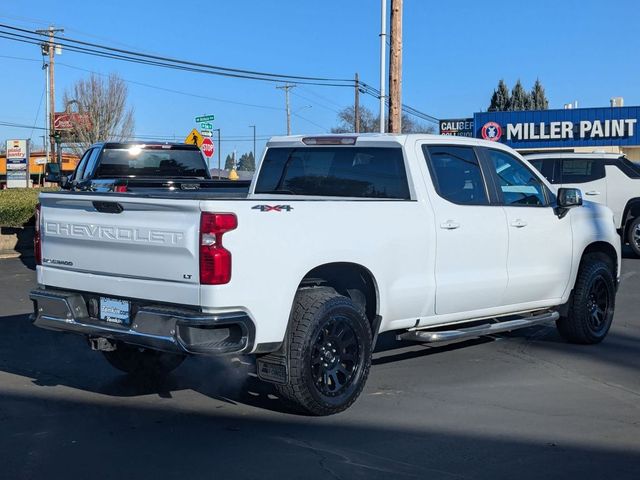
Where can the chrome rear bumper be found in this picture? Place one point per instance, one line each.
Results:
(153, 326)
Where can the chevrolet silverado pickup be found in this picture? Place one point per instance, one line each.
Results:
(151, 166)
(340, 238)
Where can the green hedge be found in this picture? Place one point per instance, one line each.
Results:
(18, 205)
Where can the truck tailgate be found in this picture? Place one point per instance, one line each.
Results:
(121, 246)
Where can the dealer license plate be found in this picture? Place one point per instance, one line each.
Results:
(113, 310)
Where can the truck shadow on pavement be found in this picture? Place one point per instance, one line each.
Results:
(50, 359)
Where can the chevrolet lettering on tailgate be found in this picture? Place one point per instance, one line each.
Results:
(113, 233)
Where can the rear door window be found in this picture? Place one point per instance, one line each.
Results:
(582, 170)
(456, 174)
(335, 172)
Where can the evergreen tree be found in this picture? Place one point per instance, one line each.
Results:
(520, 99)
(500, 98)
(228, 163)
(247, 162)
(538, 97)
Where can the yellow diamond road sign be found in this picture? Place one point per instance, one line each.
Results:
(194, 138)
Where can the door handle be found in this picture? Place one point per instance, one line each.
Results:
(518, 223)
(449, 225)
(592, 192)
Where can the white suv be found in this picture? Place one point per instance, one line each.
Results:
(607, 178)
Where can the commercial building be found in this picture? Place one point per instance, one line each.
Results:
(614, 129)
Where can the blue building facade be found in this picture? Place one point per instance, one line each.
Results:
(566, 128)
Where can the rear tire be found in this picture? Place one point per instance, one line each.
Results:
(633, 236)
(143, 362)
(592, 304)
(329, 352)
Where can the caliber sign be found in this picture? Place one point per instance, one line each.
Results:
(457, 127)
(207, 147)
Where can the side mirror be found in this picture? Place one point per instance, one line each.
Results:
(52, 173)
(52, 177)
(567, 199)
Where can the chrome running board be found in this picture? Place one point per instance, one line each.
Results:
(461, 334)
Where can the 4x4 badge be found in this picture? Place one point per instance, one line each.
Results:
(272, 208)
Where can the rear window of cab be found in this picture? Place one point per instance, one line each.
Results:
(362, 172)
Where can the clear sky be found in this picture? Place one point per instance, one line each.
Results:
(454, 54)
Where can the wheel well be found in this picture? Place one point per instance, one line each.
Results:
(606, 252)
(631, 211)
(348, 279)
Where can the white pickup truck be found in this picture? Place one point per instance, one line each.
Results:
(340, 238)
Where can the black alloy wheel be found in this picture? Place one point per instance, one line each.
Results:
(335, 356)
(598, 303)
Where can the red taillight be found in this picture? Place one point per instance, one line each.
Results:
(120, 188)
(37, 240)
(215, 260)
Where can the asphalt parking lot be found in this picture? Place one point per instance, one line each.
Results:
(523, 405)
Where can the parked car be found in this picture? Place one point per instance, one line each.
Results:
(340, 238)
(606, 178)
(131, 167)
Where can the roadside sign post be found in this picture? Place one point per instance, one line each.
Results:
(205, 118)
(17, 163)
(207, 149)
(194, 138)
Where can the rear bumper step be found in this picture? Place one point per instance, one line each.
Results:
(461, 334)
(156, 327)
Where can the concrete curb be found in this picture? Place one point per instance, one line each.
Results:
(16, 242)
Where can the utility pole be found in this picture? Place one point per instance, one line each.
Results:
(254, 143)
(356, 107)
(395, 68)
(49, 48)
(383, 63)
(286, 89)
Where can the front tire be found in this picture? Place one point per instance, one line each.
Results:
(329, 352)
(143, 362)
(633, 236)
(592, 305)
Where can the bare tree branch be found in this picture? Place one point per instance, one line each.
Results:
(102, 103)
(369, 122)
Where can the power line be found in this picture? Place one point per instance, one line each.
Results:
(104, 51)
(38, 112)
(315, 102)
(310, 121)
(179, 92)
(277, 77)
(156, 87)
(230, 138)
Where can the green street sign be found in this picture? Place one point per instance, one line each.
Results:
(206, 126)
(205, 118)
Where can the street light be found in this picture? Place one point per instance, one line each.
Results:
(299, 110)
(219, 170)
(254, 142)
